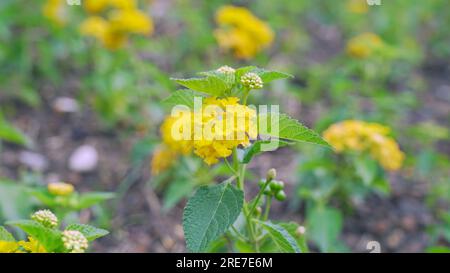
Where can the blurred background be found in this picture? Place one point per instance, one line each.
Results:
(81, 91)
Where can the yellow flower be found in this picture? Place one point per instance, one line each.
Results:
(131, 21)
(212, 132)
(32, 246)
(94, 26)
(113, 31)
(364, 45)
(241, 32)
(8, 247)
(357, 6)
(60, 188)
(163, 158)
(55, 11)
(359, 136)
(96, 6)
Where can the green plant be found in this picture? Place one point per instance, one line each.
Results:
(44, 235)
(223, 215)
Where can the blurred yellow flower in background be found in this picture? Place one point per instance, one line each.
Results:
(114, 28)
(55, 11)
(96, 6)
(360, 136)
(241, 32)
(357, 6)
(365, 45)
(60, 188)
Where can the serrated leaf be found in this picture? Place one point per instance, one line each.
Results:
(256, 148)
(87, 200)
(211, 85)
(91, 233)
(292, 228)
(241, 71)
(5, 235)
(210, 213)
(281, 237)
(228, 78)
(270, 75)
(49, 238)
(182, 97)
(289, 129)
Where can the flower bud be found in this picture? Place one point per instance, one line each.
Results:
(46, 218)
(301, 230)
(280, 196)
(276, 186)
(271, 174)
(252, 81)
(74, 241)
(226, 69)
(60, 188)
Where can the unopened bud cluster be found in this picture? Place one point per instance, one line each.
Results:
(46, 218)
(273, 187)
(252, 81)
(226, 69)
(74, 241)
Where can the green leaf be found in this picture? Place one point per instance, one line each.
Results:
(211, 85)
(288, 128)
(324, 227)
(11, 134)
(256, 148)
(15, 202)
(48, 237)
(87, 200)
(366, 169)
(182, 97)
(292, 228)
(285, 242)
(5, 235)
(209, 214)
(269, 75)
(228, 78)
(176, 191)
(243, 70)
(91, 233)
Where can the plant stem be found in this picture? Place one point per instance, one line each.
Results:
(261, 191)
(266, 212)
(246, 92)
(240, 185)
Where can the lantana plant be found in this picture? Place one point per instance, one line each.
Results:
(65, 201)
(45, 236)
(212, 120)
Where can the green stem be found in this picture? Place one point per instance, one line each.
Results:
(240, 185)
(260, 193)
(245, 97)
(266, 212)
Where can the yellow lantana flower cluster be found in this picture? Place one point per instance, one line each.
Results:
(55, 11)
(221, 125)
(30, 246)
(241, 32)
(357, 6)
(360, 136)
(365, 45)
(112, 29)
(60, 188)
